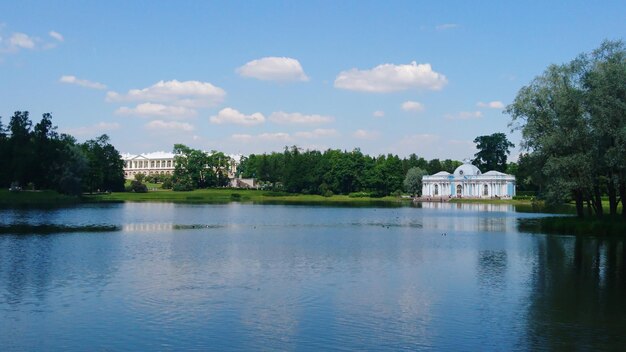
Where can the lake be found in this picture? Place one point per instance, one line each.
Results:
(161, 276)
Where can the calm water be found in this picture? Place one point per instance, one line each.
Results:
(275, 277)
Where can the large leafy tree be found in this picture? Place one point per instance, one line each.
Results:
(556, 130)
(605, 87)
(4, 155)
(105, 166)
(492, 152)
(573, 126)
(413, 180)
(21, 153)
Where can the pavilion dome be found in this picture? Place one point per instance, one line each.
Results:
(466, 169)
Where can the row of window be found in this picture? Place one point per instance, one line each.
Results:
(144, 164)
(459, 190)
(133, 173)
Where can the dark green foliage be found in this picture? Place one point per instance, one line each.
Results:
(138, 187)
(336, 171)
(182, 183)
(573, 124)
(105, 166)
(197, 169)
(492, 152)
(40, 158)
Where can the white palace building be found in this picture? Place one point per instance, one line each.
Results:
(163, 163)
(148, 164)
(468, 182)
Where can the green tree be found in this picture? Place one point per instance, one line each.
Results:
(105, 166)
(605, 86)
(46, 153)
(4, 155)
(434, 166)
(70, 167)
(556, 131)
(492, 152)
(413, 180)
(20, 152)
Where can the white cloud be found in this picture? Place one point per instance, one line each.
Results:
(186, 93)
(296, 117)
(446, 26)
(265, 137)
(378, 113)
(276, 136)
(21, 41)
(274, 69)
(364, 134)
(17, 41)
(242, 137)
(433, 146)
(230, 115)
(93, 130)
(317, 133)
(151, 109)
(465, 115)
(492, 104)
(170, 126)
(56, 35)
(412, 106)
(417, 143)
(81, 82)
(391, 78)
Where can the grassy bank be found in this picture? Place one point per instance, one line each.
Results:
(35, 198)
(230, 195)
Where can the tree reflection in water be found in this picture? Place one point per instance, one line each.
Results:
(577, 293)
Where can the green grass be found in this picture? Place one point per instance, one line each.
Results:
(35, 198)
(223, 195)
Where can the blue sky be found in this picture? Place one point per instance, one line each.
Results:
(401, 77)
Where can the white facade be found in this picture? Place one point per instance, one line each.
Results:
(468, 182)
(162, 163)
(148, 164)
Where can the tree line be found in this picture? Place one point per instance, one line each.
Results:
(38, 157)
(195, 168)
(573, 123)
(335, 171)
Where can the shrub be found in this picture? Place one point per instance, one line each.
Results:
(167, 183)
(235, 196)
(182, 185)
(377, 194)
(327, 193)
(359, 195)
(140, 177)
(138, 187)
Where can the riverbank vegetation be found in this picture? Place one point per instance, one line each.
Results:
(226, 195)
(40, 158)
(28, 198)
(573, 124)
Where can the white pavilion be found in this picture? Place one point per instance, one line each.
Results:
(468, 182)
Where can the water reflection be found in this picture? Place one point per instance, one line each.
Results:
(440, 276)
(576, 300)
(469, 206)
